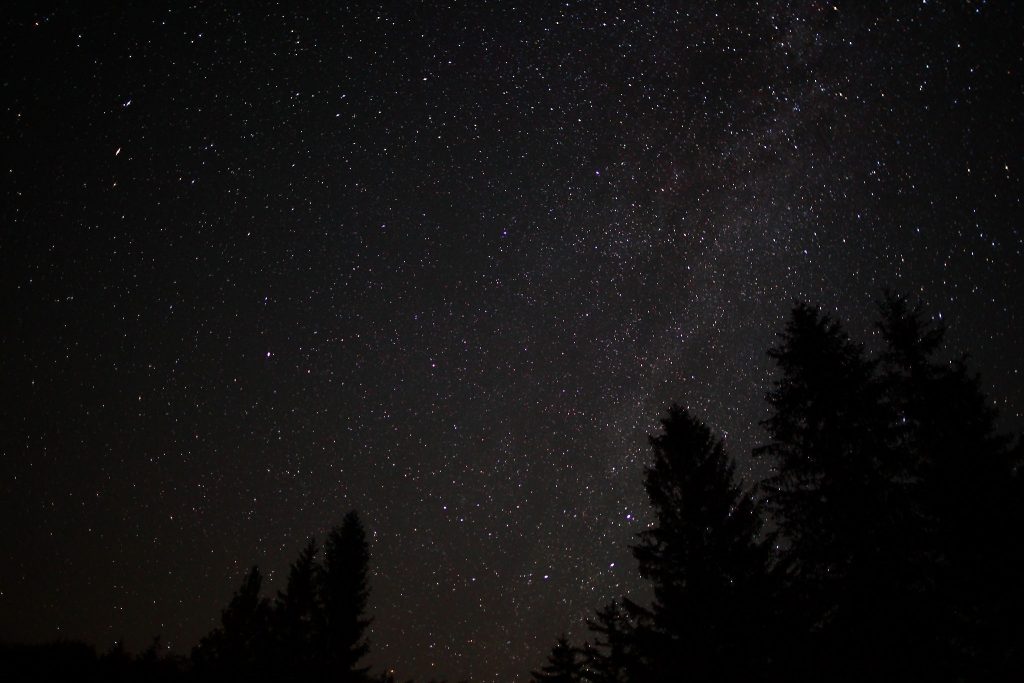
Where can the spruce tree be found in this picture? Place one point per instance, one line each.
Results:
(611, 658)
(837, 499)
(239, 645)
(299, 615)
(704, 557)
(316, 628)
(825, 442)
(563, 665)
(963, 485)
(896, 503)
(344, 592)
(890, 484)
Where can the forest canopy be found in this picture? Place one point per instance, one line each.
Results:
(884, 544)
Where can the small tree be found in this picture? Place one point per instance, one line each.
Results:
(240, 644)
(611, 658)
(563, 665)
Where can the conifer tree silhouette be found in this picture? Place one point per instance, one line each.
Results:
(239, 645)
(825, 438)
(839, 497)
(704, 557)
(611, 658)
(344, 593)
(963, 488)
(563, 665)
(889, 481)
(891, 493)
(298, 615)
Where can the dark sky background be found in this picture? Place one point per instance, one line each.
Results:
(262, 263)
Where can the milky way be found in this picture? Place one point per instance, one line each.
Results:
(265, 263)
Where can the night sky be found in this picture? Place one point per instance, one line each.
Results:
(263, 263)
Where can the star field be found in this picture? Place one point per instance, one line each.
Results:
(264, 263)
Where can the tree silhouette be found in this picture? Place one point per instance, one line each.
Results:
(826, 443)
(298, 616)
(563, 665)
(704, 557)
(612, 657)
(317, 626)
(833, 495)
(890, 483)
(344, 594)
(239, 645)
(894, 507)
(890, 497)
(964, 487)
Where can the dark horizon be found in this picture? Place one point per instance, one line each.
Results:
(265, 265)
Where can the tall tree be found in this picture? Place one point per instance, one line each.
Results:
(837, 497)
(299, 615)
(317, 626)
(825, 441)
(704, 557)
(344, 591)
(889, 481)
(963, 484)
(892, 494)
(563, 665)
